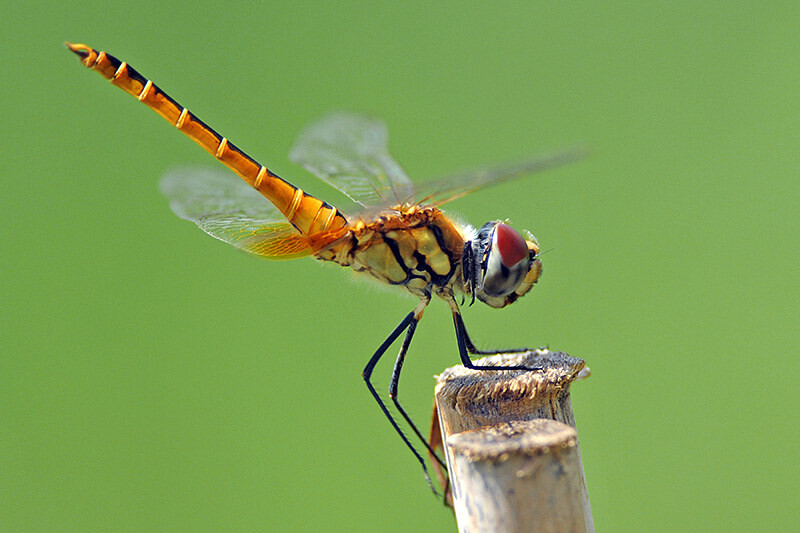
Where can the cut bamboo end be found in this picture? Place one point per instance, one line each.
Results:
(469, 399)
(512, 451)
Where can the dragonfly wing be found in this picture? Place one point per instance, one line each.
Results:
(350, 152)
(438, 192)
(230, 210)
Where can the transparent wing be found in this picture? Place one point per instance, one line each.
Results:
(350, 152)
(441, 191)
(228, 209)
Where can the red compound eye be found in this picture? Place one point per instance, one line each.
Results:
(510, 244)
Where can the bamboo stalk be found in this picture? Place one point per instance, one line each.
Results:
(509, 470)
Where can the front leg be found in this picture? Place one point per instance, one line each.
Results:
(465, 346)
(471, 348)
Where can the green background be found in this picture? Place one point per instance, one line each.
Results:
(156, 379)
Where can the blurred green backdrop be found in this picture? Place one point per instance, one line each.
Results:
(156, 379)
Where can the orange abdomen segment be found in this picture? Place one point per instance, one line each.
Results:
(306, 213)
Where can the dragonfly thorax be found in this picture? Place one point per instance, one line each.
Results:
(418, 248)
(499, 265)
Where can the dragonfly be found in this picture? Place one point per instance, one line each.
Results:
(397, 234)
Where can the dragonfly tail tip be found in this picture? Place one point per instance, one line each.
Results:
(80, 49)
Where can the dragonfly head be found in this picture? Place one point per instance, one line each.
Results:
(499, 265)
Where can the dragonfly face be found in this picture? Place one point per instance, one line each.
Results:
(499, 265)
(398, 234)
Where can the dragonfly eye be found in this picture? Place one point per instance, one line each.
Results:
(507, 261)
(499, 265)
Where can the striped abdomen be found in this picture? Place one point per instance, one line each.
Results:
(306, 213)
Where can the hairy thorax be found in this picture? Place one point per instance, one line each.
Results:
(415, 247)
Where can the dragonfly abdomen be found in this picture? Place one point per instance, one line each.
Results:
(308, 214)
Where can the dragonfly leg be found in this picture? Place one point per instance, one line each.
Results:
(393, 384)
(410, 319)
(475, 351)
(464, 344)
